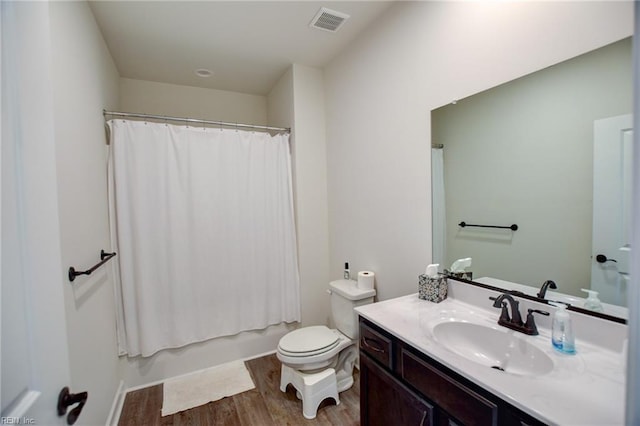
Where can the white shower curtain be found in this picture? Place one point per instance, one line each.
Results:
(202, 220)
(438, 207)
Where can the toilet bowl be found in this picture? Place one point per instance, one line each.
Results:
(318, 349)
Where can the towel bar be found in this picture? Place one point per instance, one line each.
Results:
(104, 258)
(513, 227)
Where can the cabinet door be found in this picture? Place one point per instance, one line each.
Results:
(385, 401)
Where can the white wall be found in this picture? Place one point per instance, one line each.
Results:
(85, 81)
(151, 97)
(379, 92)
(523, 153)
(280, 102)
(297, 101)
(310, 158)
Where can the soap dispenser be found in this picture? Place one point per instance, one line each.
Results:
(593, 303)
(562, 337)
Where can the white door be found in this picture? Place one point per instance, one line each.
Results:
(33, 345)
(612, 197)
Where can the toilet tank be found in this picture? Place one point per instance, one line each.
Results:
(345, 295)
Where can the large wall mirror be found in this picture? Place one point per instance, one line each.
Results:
(550, 153)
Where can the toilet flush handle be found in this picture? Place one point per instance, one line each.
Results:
(329, 291)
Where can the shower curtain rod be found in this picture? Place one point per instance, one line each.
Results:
(194, 120)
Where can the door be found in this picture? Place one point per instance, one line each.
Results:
(612, 197)
(33, 345)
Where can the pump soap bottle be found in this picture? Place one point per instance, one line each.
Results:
(562, 337)
(593, 303)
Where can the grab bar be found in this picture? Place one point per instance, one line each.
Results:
(513, 227)
(104, 258)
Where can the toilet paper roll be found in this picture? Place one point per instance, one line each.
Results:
(365, 280)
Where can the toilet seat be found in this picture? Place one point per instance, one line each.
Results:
(319, 357)
(308, 341)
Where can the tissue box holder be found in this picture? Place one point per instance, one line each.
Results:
(432, 289)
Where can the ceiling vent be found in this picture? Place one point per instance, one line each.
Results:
(328, 20)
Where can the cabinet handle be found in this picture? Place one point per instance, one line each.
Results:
(424, 416)
(367, 345)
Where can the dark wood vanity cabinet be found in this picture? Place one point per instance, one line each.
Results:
(388, 401)
(400, 385)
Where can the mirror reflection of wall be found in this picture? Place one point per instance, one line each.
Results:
(522, 153)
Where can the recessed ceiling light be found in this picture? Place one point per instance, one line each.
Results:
(203, 72)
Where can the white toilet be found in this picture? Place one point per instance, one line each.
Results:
(318, 361)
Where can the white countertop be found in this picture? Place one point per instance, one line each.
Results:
(583, 389)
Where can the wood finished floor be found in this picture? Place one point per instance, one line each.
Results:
(263, 406)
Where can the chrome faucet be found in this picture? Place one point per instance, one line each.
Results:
(543, 290)
(514, 322)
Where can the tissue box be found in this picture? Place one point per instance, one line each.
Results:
(432, 289)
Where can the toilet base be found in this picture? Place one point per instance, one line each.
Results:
(312, 388)
(344, 367)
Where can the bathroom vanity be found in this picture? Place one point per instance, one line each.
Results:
(437, 392)
(451, 364)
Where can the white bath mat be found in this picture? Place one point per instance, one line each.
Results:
(212, 384)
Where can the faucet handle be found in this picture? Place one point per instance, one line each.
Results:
(504, 314)
(530, 325)
(537, 311)
(515, 313)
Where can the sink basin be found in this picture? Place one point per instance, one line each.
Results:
(493, 348)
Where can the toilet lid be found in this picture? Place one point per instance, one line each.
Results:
(317, 338)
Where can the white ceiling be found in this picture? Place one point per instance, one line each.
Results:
(247, 44)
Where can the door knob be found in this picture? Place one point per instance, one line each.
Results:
(601, 258)
(65, 399)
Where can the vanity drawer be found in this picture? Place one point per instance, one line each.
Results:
(375, 344)
(456, 399)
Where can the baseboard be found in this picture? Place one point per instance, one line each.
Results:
(148, 385)
(116, 406)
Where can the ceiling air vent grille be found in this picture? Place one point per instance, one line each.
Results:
(328, 20)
